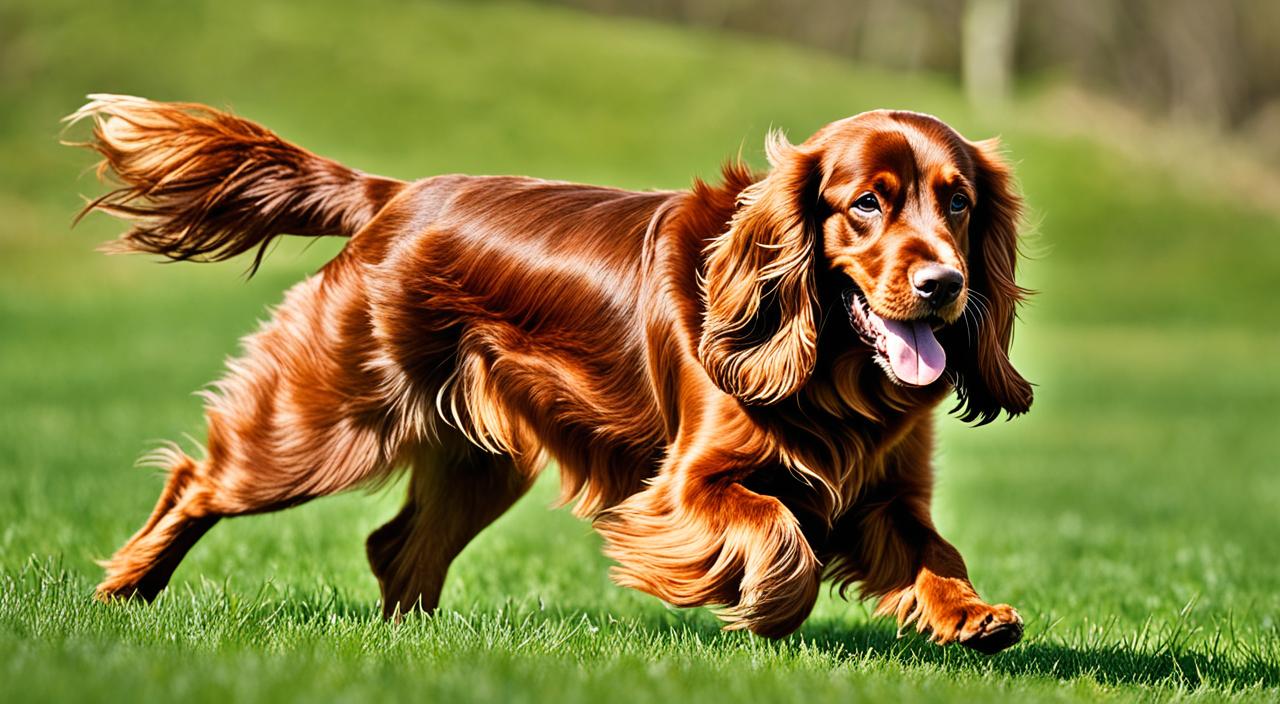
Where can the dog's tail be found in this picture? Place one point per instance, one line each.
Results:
(204, 185)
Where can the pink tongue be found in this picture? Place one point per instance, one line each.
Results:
(914, 353)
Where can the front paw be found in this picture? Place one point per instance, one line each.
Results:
(970, 622)
(974, 624)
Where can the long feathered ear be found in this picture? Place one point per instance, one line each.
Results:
(986, 382)
(759, 332)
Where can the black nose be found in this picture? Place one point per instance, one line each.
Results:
(937, 284)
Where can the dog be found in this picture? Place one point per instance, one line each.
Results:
(737, 381)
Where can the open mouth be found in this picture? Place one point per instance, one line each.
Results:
(907, 349)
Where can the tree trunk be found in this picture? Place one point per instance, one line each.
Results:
(989, 31)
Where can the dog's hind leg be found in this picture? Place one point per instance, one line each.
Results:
(194, 499)
(196, 495)
(455, 491)
(143, 566)
(293, 420)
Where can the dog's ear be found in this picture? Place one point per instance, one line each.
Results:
(759, 331)
(986, 382)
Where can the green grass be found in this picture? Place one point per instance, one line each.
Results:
(1131, 517)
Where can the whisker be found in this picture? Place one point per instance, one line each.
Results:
(981, 300)
(981, 304)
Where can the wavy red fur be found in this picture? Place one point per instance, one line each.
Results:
(685, 358)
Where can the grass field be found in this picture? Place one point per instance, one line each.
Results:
(1132, 517)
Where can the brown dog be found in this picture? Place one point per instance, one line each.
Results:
(737, 381)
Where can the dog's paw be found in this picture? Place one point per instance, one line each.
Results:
(985, 628)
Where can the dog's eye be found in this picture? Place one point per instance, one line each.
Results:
(867, 203)
(959, 203)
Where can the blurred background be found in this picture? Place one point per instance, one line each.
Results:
(1131, 516)
(1208, 65)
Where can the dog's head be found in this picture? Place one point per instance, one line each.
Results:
(919, 228)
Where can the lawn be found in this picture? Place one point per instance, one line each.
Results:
(1132, 517)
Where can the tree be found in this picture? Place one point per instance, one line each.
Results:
(989, 31)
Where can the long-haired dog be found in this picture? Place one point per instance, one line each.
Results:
(737, 381)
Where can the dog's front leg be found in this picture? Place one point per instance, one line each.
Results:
(698, 537)
(941, 601)
(888, 543)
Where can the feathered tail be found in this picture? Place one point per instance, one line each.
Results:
(204, 185)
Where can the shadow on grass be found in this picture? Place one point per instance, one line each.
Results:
(1167, 660)
(1176, 665)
